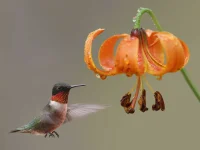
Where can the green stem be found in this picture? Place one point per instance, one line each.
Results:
(142, 11)
(137, 21)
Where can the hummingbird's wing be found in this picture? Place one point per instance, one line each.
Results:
(80, 110)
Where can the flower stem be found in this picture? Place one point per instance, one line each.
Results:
(142, 11)
(137, 21)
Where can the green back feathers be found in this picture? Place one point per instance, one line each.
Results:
(32, 124)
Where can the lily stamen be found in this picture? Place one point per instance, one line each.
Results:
(159, 102)
(132, 89)
(148, 85)
(142, 101)
(134, 100)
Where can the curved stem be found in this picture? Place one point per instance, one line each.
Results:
(142, 11)
(137, 21)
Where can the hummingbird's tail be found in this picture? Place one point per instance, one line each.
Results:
(14, 131)
(21, 130)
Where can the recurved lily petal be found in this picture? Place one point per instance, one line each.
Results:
(175, 54)
(152, 53)
(156, 62)
(186, 52)
(88, 55)
(155, 47)
(106, 52)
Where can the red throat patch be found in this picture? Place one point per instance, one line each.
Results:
(61, 97)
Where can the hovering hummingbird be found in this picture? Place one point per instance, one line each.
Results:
(58, 112)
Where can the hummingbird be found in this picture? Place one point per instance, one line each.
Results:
(57, 112)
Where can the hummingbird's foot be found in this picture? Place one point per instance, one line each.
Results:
(56, 133)
(159, 102)
(50, 135)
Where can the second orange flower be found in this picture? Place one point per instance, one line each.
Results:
(141, 51)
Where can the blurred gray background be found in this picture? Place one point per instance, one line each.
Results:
(41, 43)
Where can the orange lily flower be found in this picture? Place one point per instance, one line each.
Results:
(142, 51)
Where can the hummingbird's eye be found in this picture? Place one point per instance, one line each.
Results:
(59, 88)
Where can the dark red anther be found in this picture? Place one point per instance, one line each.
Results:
(126, 103)
(159, 102)
(142, 101)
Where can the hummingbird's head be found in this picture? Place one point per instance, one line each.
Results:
(60, 92)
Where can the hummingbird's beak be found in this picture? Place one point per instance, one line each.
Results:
(73, 86)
